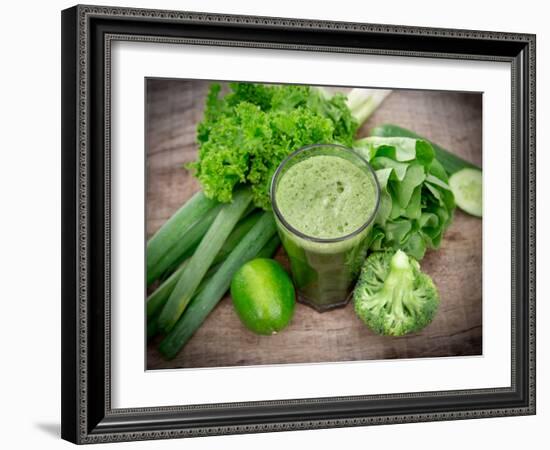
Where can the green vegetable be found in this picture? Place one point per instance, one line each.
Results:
(466, 185)
(240, 231)
(183, 247)
(416, 202)
(363, 102)
(393, 297)
(202, 259)
(177, 263)
(159, 297)
(176, 229)
(263, 296)
(450, 162)
(269, 249)
(152, 327)
(152, 321)
(248, 132)
(259, 236)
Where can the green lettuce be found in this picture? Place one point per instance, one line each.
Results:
(416, 202)
(246, 133)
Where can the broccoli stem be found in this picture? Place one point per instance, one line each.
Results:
(400, 261)
(392, 296)
(399, 283)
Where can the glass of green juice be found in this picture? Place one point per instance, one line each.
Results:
(325, 198)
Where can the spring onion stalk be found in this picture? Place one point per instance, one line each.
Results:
(269, 249)
(176, 228)
(152, 326)
(240, 231)
(192, 249)
(202, 259)
(152, 321)
(214, 290)
(266, 252)
(158, 298)
(184, 246)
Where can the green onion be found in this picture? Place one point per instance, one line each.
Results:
(266, 252)
(176, 228)
(184, 247)
(269, 249)
(152, 326)
(158, 298)
(152, 321)
(450, 162)
(202, 259)
(240, 231)
(187, 254)
(259, 236)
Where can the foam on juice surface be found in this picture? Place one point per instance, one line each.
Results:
(326, 196)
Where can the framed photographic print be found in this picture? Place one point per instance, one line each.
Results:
(281, 224)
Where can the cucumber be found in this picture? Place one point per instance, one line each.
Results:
(466, 185)
(450, 162)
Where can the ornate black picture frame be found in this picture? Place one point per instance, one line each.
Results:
(87, 34)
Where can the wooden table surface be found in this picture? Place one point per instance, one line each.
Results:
(453, 120)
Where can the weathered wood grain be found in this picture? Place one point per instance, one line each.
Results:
(453, 120)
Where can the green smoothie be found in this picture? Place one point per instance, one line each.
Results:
(325, 198)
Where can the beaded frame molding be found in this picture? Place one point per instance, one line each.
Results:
(87, 35)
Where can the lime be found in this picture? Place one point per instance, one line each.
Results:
(263, 296)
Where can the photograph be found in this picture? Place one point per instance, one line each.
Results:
(282, 223)
(299, 224)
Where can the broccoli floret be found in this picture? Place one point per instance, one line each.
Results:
(392, 296)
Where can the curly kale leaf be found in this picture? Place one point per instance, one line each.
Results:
(247, 133)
